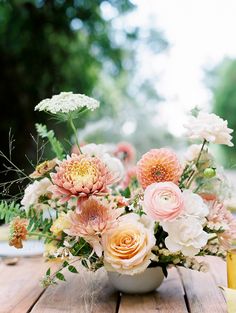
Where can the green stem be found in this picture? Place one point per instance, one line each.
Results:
(193, 174)
(75, 133)
(42, 235)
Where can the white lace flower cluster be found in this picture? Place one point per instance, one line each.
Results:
(66, 102)
(209, 127)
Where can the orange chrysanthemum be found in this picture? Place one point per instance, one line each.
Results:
(18, 232)
(158, 165)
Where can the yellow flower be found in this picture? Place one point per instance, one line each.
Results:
(50, 248)
(61, 223)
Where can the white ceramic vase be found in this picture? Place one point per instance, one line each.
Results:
(144, 282)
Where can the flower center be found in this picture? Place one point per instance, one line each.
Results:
(79, 169)
(159, 172)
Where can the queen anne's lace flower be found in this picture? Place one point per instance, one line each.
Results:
(66, 102)
(209, 127)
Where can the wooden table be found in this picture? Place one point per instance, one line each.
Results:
(183, 291)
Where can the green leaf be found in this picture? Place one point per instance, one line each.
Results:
(165, 272)
(126, 193)
(72, 269)
(60, 276)
(65, 264)
(57, 147)
(48, 273)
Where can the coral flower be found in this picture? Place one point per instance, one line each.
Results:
(125, 152)
(95, 218)
(158, 165)
(18, 232)
(80, 176)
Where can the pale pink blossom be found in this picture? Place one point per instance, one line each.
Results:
(222, 218)
(163, 201)
(94, 218)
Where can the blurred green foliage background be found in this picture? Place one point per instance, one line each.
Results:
(48, 46)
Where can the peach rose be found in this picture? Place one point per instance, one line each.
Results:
(127, 248)
(163, 201)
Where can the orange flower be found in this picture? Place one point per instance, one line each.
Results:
(158, 165)
(18, 232)
(44, 168)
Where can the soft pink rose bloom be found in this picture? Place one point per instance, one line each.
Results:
(163, 201)
(128, 247)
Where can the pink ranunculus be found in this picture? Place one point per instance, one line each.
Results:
(163, 201)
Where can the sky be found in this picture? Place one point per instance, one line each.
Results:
(201, 33)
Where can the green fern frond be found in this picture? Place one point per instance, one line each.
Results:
(10, 210)
(57, 147)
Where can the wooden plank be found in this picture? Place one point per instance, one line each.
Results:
(168, 298)
(203, 294)
(218, 270)
(84, 292)
(19, 285)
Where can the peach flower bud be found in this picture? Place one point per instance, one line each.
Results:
(163, 201)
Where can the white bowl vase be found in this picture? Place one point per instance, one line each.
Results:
(147, 281)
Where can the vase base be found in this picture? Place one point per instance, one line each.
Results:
(145, 282)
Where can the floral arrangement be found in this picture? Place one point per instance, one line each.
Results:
(98, 207)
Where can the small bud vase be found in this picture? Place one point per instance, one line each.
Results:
(144, 282)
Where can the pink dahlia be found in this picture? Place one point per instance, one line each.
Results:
(130, 175)
(221, 217)
(95, 218)
(80, 176)
(158, 165)
(125, 152)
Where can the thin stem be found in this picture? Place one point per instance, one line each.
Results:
(42, 235)
(75, 133)
(193, 174)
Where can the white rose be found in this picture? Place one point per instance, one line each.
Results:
(127, 248)
(185, 234)
(101, 151)
(210, 127)
(194, 205)
(34, 191)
